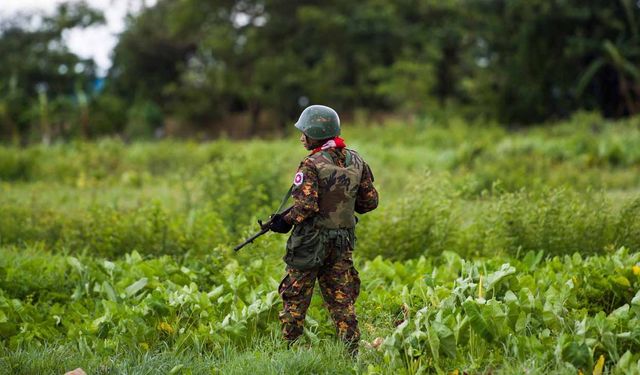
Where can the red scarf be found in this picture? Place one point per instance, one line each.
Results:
(336, 142)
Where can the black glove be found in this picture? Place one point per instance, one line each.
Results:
(279, 225)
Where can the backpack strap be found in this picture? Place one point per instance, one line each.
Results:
(348, 158)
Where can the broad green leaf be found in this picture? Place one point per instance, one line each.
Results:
(75, 263)
(461, 330)
(216, 292)
(109, 291)
(434, 343)
(532, 259)
(527, 300)
(495, 278)
(621, 280)
(577, 354)
(95, 325)
(551, 317)
(621, 312)
(614, 53)
(624, 364)
(312, 336)
(494, 312)
(609, 340)
(624, 335)
(446, 339)
(133, 258)
(513, 313)
(176, 369)
(510, 297)
(581, 327)
(482, 326)
(588, 75)
(109, 266)
(522, 322)
(136, 287)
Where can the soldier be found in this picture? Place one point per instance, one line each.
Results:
(331, 184)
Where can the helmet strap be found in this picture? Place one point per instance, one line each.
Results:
(313, 143)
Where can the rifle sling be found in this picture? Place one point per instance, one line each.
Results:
(285, 199)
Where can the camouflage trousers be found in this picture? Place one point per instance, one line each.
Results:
(339, 284)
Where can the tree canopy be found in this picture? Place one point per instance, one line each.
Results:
(200, 63)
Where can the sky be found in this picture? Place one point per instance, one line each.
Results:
(95, 42)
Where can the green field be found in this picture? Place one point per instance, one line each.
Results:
(492, 251)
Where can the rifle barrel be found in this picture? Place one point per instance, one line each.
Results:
(265, 229)
(250, 239)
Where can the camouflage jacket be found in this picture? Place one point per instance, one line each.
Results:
(331, 185)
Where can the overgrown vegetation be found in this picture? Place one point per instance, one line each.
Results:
(491, 251)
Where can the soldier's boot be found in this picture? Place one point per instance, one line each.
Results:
(292, 328)
(348, 332)
(352, 348)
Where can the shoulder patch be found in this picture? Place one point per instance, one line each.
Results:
(298, 179)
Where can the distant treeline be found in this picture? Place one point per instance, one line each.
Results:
(244, 67)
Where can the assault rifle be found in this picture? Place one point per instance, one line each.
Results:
(264, 228)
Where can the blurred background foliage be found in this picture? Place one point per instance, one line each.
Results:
(247, 67)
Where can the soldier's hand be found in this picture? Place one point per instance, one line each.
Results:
(279, 225)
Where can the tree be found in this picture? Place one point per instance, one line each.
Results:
(546, 59)
(35, 67)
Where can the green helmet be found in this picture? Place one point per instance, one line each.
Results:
(319, 122)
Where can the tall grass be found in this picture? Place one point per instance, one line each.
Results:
(475, 189)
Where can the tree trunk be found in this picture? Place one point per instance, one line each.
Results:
(84, 122)
(254, 109)
(625, 92)
(45, 127)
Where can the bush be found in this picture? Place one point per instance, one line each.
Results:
(557, 221)
(15, 165)
(109, 232)
(423, 224)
